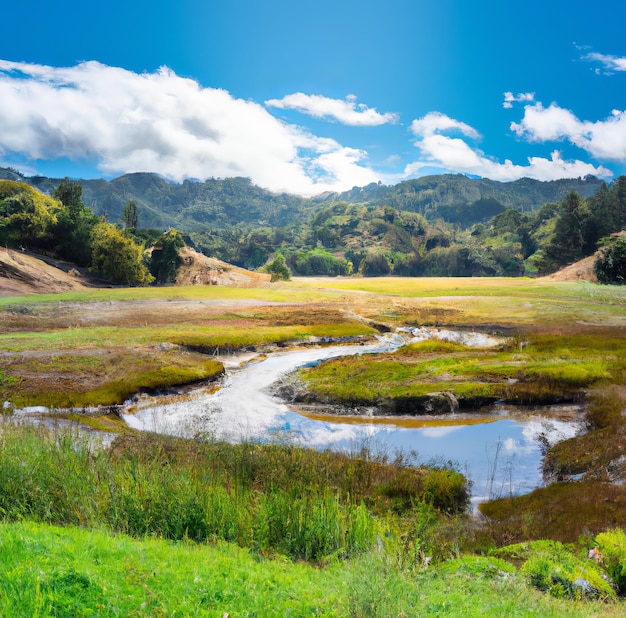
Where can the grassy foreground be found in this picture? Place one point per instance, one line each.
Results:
(51, 571)
(212, 528)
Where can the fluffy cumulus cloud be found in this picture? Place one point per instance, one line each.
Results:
(444, 142)
(346, 111)
(604, 139)
(161, 122)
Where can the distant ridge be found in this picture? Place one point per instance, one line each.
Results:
(229, 202)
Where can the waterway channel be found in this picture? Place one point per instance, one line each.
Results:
(499, 449)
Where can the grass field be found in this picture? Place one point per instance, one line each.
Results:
(564, 340)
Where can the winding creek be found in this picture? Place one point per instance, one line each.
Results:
(499, 449)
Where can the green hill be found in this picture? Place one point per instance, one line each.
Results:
(195, 206)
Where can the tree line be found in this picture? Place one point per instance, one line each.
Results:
(61, 225)
(338, 238)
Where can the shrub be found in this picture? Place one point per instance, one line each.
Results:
(551, 567)
(612, 546)
(117, 257)
(278, 269)
(610, 265)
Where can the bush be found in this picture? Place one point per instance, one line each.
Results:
(318, 262)
(551, 567)
(612, 546)
(278, 269)
(117, 257)
(610, 266)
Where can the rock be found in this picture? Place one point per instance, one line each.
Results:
(442, 402)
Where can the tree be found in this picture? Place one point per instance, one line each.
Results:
(117, 257)
(165, 258)
(610, 266)
(70, 194)
(75, 223)
(570, 235)
(130, 218)
(278, 269)
(375, 265)
(27, 217)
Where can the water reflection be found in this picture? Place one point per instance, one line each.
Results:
(499, 450)
(500, 457)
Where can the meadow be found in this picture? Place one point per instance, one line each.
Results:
(386, 537)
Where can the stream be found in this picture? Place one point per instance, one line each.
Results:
(499, 449)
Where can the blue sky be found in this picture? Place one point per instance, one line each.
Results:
(314, 96)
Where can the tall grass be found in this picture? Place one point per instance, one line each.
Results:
(300, 503)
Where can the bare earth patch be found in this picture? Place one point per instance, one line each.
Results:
(22, 274)
(579, 271)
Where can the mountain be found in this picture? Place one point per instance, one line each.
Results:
(458, 199)
(221, 204)
(189, 206)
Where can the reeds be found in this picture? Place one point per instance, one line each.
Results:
(277, 499)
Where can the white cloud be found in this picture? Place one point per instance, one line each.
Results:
(456, 155)
(604, 139)
(346, 111)
(434, 122)
(510, 98)
(608, 63)
(161, 122)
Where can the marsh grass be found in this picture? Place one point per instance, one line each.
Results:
(63, 380)
(277, 499)
(105, 364)
(545, 369)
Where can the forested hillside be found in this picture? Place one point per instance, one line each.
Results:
(446, 225)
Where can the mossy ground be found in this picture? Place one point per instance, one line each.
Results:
(540, 369)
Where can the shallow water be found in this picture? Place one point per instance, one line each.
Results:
(501, 455)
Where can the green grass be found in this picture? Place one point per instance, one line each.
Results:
(546, 369)
(369, 526)
(295, 501)
(86, 379)
(49, 571)
(275, 293)
(219, 336)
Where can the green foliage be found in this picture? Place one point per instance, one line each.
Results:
(278, 268)
(49, 571)
(612, 546)
(130, 218)
(304, 504)
(375, 264)
(569, 241)
(318, 262)
(73, 233)
(165, 259)
(380, 230)
(610, 266)
(27, 218)
(117, 257)
(553, 568)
